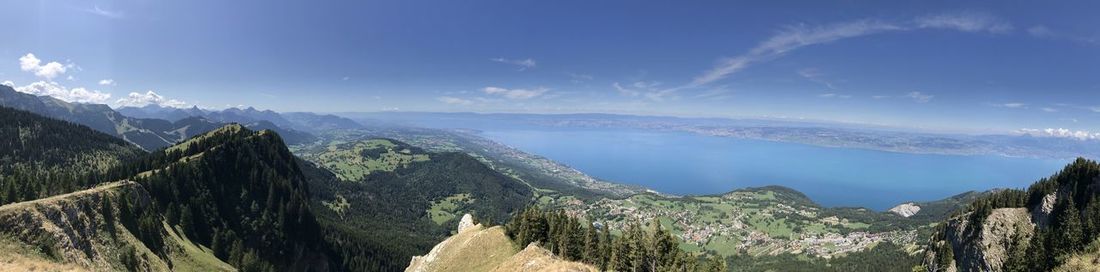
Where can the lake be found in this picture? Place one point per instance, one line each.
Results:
(685, 163)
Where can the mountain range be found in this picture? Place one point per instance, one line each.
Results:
(86, 187)
(153, 127)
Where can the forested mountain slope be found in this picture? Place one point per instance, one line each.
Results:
(98, 117)
(40, 156)
(241, 194)
(230, 198)
(385, 201)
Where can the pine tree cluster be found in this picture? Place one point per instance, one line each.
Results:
(639, 248)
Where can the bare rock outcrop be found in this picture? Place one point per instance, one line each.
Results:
(466, 223)
(1041, 214)
(982, 248)
(905, 209)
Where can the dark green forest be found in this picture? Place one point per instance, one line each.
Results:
(244, 197)
(41, 157)
(387, 222)
(237, 192)
(638, 248)
(884, 257)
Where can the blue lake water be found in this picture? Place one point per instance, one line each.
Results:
(685, 163)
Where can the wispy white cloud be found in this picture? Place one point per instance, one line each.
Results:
(965, 21)
(523, 64)
(8, 83)
(1060, 133)
(150, 97)
(1025, 106)
(55, 90)
(645, 89)
(113, 14)
(107, 82)
(516, 94)
(31, 63)
(578, 78)
(719, 93)
(795, 37)
(1040, 31)
(834, 95)
(789, 39)
(919, 97)
(815, 75)
(454, 100)
(624, 91)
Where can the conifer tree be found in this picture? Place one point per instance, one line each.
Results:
(1037, 250)
(605, 247)
(716, 265)
(1091, 219)
(591, 245)
(1068, 232)
(945, 256)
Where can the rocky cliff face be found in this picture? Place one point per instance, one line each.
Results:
(984, 247)
(1041, 214)
(78, 231)
(71, 227)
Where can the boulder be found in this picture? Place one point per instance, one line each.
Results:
(466, 223)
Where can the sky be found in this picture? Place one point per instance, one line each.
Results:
(982, 66)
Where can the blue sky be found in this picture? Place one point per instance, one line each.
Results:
(997, 66)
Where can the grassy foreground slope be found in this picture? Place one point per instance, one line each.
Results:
(476, 248)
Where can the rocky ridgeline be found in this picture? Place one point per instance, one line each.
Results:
(76, 228)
